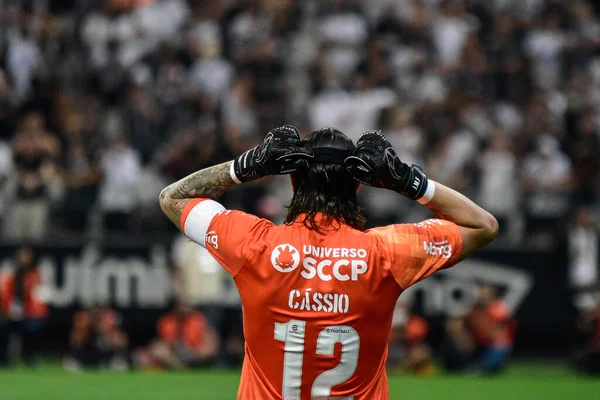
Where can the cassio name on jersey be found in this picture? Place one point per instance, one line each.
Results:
(344, 264)
(307, 300)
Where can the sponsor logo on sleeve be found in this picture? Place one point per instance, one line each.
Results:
(285, 258)
(440, 249)
(212, 239)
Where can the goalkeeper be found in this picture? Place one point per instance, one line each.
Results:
(318, 292)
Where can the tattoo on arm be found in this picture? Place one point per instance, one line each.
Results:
(209, 182)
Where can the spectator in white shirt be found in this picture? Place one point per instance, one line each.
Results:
(354, 112)
(344, 33)
(106, 26)
(450, 32)
(239, 114)
(453, 155)
(211, 74)
(499, 189)
(248, 30)
(22, 59)
(584, 253)
(35, 153)
(548, 167)
(162, 20)
(547, 181)
(6, 170)
(121, 169)
(544, 47)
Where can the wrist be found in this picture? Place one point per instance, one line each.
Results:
(429, 193)
(414, 183)
(244, 168)
(233, 174)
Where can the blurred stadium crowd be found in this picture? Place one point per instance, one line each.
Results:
(104, 102)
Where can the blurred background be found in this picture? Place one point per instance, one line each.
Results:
(103, 103)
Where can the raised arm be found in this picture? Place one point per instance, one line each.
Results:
(375, 163)
(208, 183)
(279, 153)
(477, 226)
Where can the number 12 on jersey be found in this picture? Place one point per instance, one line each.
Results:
(292, 334)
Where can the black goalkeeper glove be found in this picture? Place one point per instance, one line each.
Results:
(375, 163)
(279, 153)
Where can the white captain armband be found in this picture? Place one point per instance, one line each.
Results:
(196, 218)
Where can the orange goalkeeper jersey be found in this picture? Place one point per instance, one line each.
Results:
(317, 307)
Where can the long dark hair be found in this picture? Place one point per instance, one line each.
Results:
(327, 189)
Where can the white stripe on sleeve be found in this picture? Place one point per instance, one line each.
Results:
(198, 220)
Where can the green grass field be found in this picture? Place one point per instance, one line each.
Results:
(525, 381)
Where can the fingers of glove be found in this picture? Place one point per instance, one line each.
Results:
(373, 148)
(376, 132)
(371, 136)
(287, 133)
